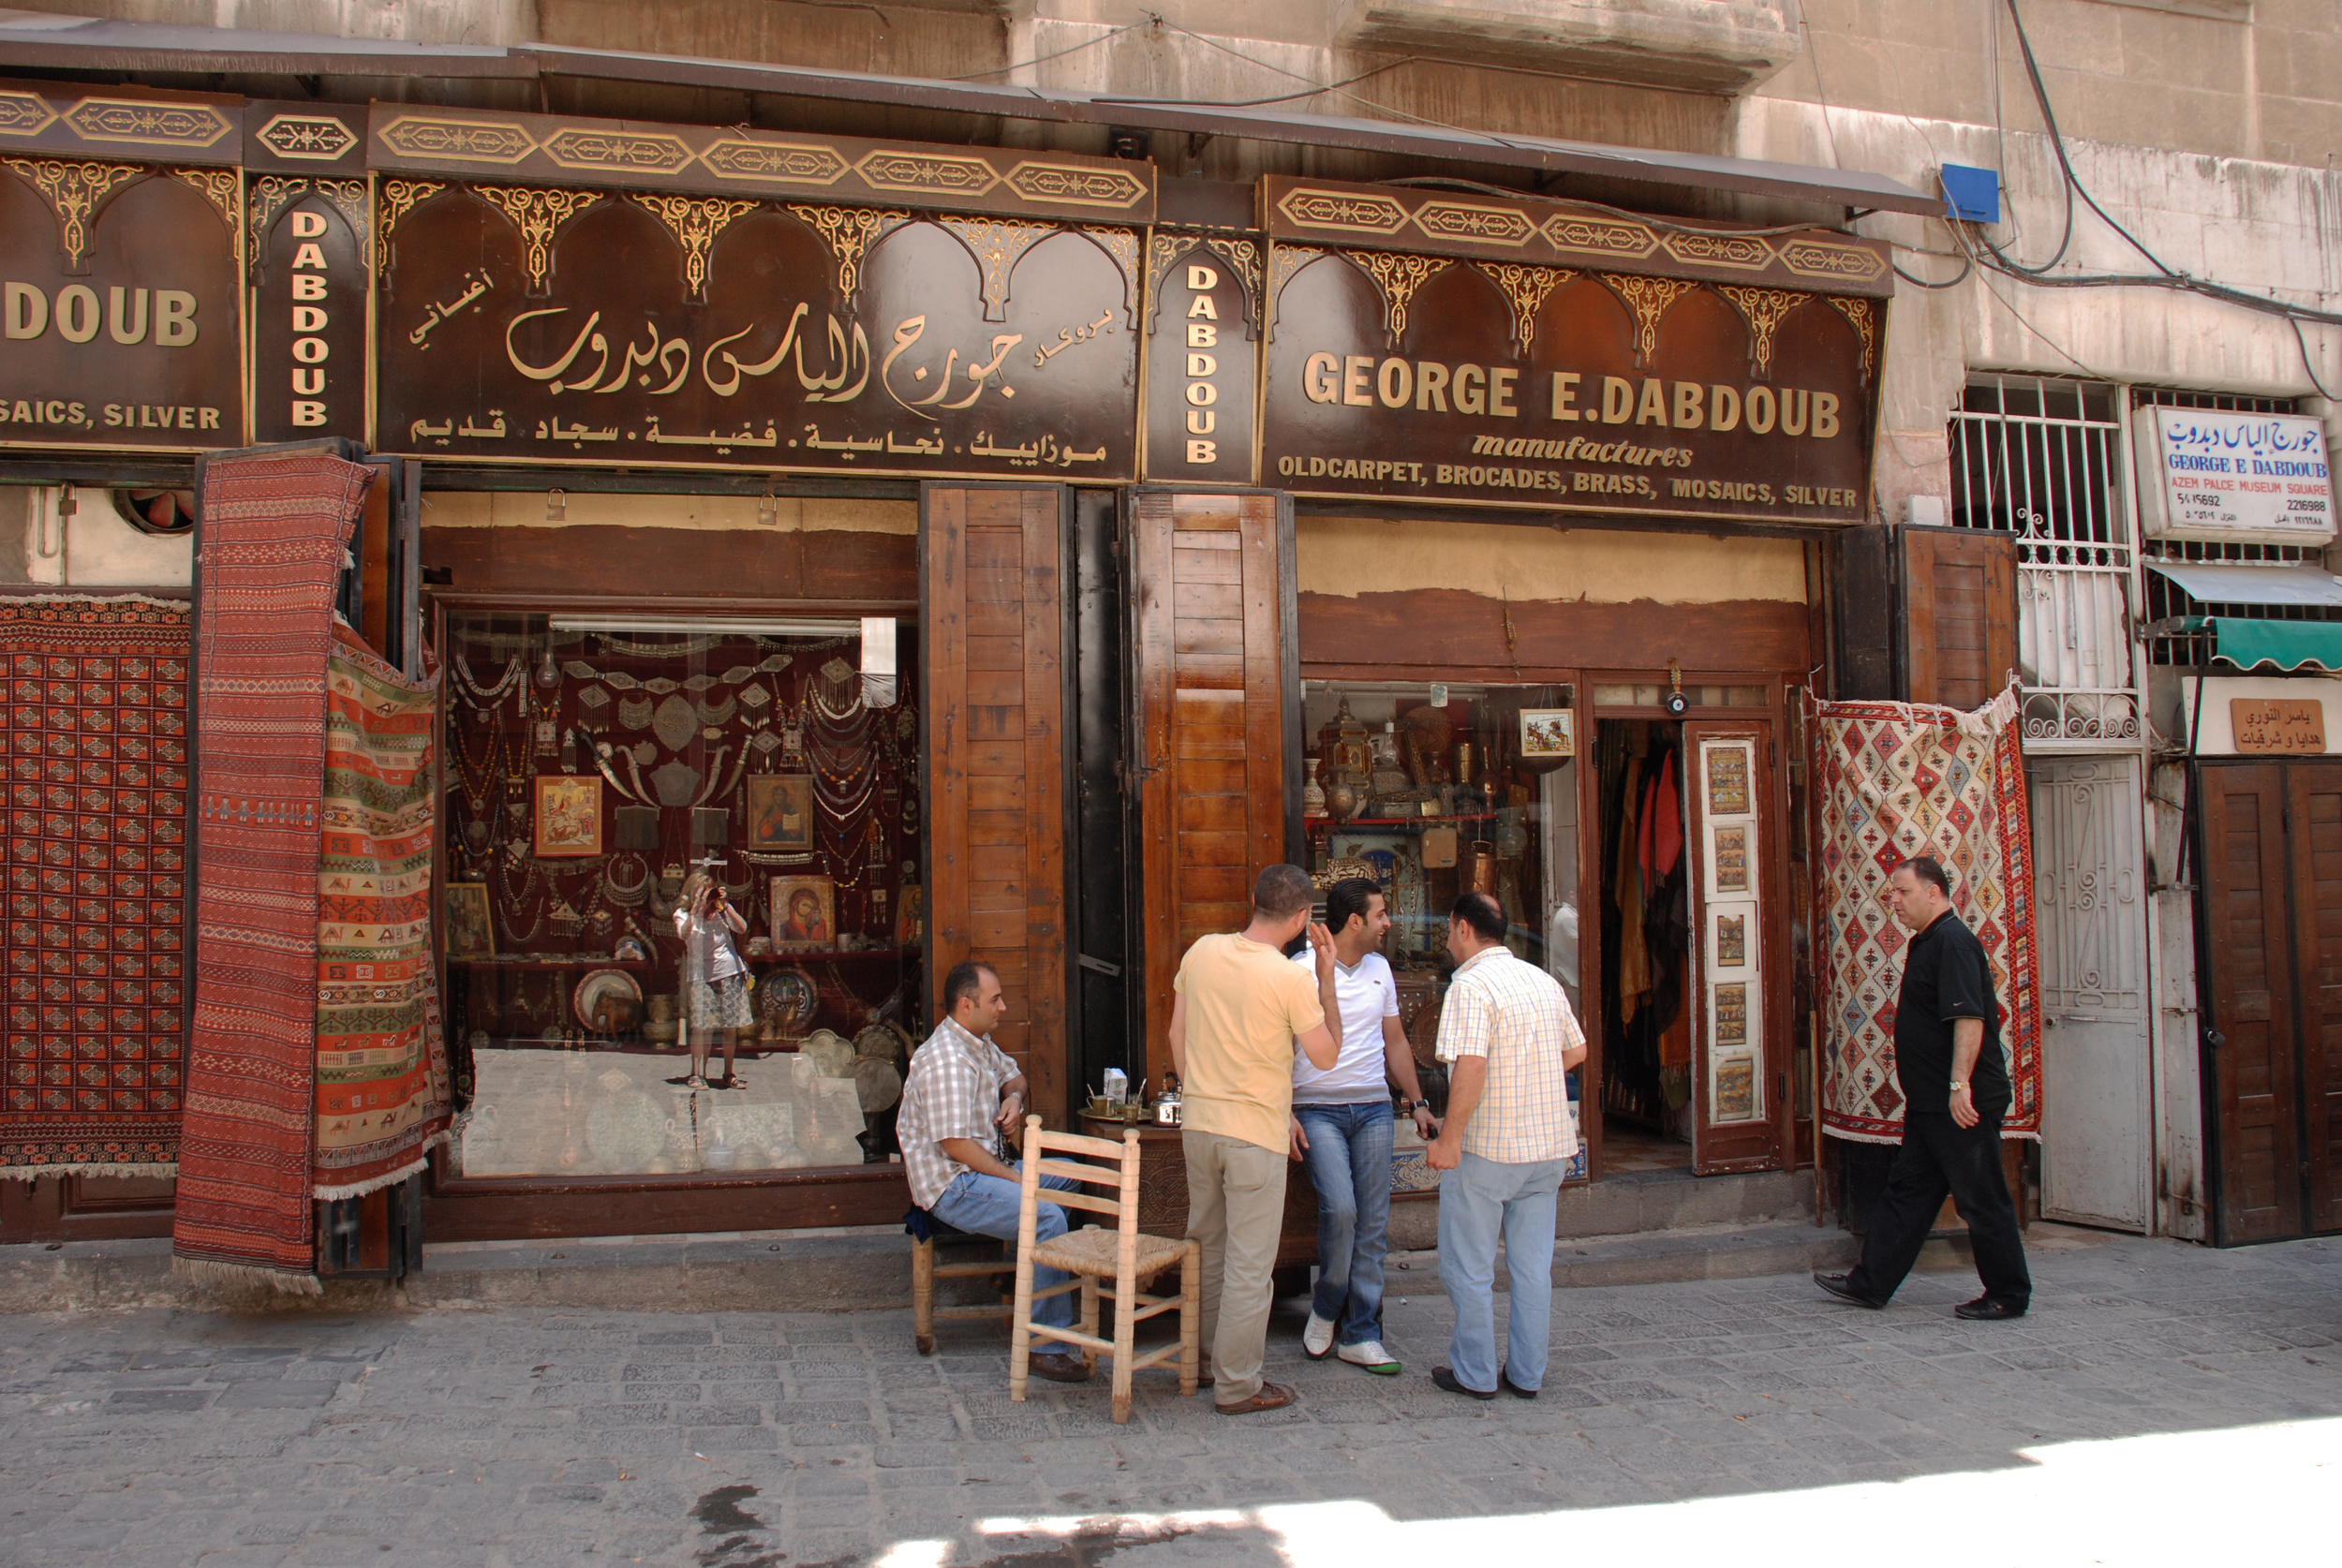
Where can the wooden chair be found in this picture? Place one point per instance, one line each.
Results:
(926, 1271)
(1094, 1256)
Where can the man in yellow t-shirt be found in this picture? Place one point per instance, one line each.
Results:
(1238, 1011)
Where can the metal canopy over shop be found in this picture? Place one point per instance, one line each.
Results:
(2262, 586)
(74, 44)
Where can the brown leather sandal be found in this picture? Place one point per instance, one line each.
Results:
(1272, 1396)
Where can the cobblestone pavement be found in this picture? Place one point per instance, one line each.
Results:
(500, 1439)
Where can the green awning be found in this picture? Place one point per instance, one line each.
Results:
(2287, 644)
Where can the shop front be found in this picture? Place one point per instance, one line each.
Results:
(971, 552)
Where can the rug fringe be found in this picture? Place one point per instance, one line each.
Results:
(86, 596)
(390, 1178)
(207, 1271)
(86, 1167)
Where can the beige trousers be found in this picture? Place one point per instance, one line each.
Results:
(1235, 1204)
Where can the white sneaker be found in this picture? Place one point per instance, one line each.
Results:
(1372, 1356)
(1318, 1338)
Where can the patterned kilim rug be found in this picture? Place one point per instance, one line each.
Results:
(272, 535)
(95, 732)
(1895, 780)
(382, 1085)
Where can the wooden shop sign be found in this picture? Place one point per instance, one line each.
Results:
(1494, 363)
(2277, 726)
(519, 324)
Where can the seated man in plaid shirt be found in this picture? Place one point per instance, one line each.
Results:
(963, 1092)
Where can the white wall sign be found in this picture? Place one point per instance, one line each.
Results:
(2248, 479)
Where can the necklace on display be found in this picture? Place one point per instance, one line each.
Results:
(490, 695)
(626, 895)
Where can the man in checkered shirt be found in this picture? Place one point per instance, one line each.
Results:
(1509, 1039)
(963, 1092)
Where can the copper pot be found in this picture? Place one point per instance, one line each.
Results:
(1462, 758)
(1482, 866)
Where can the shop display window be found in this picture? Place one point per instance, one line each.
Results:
(1434, 790)
(595, 763)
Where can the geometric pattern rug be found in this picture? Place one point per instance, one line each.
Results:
(271, 531)
(381, 1074)
(94, 732)
(1898, 779)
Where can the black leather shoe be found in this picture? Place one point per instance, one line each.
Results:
(1507, 1385)
(1835, 1284)
(1063, 1368)
(1985, 1310)
(1442, 1378)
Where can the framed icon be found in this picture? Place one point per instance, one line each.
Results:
(804, 913)
(780, 811)
(568, 815)
(470, 932)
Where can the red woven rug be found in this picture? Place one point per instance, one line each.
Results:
(271, 534)
(95, 734)
(382, 1085)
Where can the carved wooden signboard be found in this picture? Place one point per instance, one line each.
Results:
(1203, 348)
(1509, 357)
(2277, 726)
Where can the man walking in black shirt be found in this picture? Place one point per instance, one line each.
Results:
(1955, 1091)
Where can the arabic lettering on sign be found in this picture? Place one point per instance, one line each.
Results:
(2245, 478)
(2282, 726)
(771, 368)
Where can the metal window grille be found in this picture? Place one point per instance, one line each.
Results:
(2041, 459)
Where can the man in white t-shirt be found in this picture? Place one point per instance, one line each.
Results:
(1341, 1130)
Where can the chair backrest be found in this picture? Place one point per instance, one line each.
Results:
(1123, 1175)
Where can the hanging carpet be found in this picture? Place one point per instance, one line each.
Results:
(1895, 780)
(96, 734)
(382, 1097)
(271, 534)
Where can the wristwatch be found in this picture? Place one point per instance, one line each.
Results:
(1959, 1084)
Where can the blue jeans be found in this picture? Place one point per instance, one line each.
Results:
(986, 1205)
(1477, 1200)
(1349, 1163)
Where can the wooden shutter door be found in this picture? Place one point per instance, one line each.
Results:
(1738, 1039)
(2251, 987)
(2314, 851)
(994, 690)
(1218, 719)
(1960, 614)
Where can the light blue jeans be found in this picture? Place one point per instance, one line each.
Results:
(986, 1205)
(1479, 1199)
(1349, 1162)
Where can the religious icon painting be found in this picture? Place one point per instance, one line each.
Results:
(470, 934)
(804, 913)
(569, 817)
(780, 811)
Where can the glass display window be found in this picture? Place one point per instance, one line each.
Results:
(1432, 790)
(682, 893)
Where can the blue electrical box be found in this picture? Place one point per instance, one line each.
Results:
(1971, 194)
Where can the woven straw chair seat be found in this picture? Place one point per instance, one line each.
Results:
(1092, 1250)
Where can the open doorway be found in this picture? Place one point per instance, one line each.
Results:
(1644, 896)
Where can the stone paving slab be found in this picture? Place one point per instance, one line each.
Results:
(503, 1437)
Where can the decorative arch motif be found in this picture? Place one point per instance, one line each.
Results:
(1243, 258)
(1121, 248)
(218, 187)
(1865, 318)
(1647, 299)
(849, 233)
(539, 215)
(269, 195)
(998, 244)
(1397, 276)
(1763, 310)
(398, 198)
(1283, 263)
(75, 192)
(695, 221)
(1525, 287)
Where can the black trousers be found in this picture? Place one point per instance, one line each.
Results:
(1939, 1157)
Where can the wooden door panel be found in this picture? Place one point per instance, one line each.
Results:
(2315, 852)
(2249, 946)
(1960, 601)
(1212, 597)
(992, 591)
